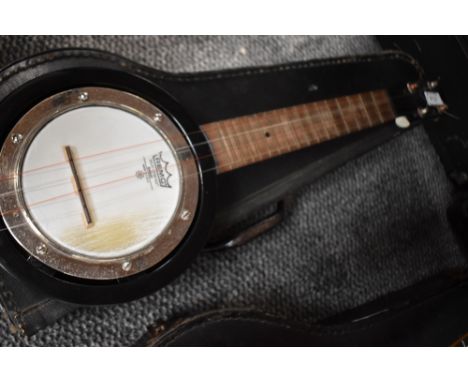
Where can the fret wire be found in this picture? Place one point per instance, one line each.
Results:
(365, 109)
(273, 135)
(250, 137)
(296, 137)
(316, 127)
(299, 130)
(367, 104)
(339, 122)
(322, 122)
(264, 129)
(289, 137)
(340, 113)
(330, 120)
(240, 138)
(255, 131)
(283, 145)
(249, 140)
(312, 132)
(292, 140)
(232, 140)
(335, 122)
(354, 114)
(321, 125)
(304, 130)
(362, 113)
(232, 136)
(226, 142)
(357, 121)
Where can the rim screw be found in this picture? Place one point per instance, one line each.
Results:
(185, 215)
(16, 138)
(157, 117)
(41, 249)
(83, 97)
(126, 266)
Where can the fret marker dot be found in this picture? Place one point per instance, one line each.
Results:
(267, 134)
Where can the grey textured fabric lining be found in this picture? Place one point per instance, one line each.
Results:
(195, 53)
(375, 225)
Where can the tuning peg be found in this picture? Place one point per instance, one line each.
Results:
(412, 87)
(422, 111)
(431, 85)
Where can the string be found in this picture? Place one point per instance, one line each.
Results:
(272, 126)
(79, 213)
(317, 114)
(233, 162)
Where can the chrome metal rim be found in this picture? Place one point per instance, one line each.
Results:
(23, 228)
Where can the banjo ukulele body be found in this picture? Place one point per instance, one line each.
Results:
(115, 175)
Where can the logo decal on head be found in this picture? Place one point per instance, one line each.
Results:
(155, 171)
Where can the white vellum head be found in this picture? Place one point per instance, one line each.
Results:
(129, 176)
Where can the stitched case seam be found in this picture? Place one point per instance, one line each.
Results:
(10, 71)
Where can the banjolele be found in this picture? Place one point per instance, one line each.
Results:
(227, 143)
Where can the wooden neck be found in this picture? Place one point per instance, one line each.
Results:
(245, 140)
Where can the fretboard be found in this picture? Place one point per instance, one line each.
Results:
(245, 140)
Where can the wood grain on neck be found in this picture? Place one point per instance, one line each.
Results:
(245, 140)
